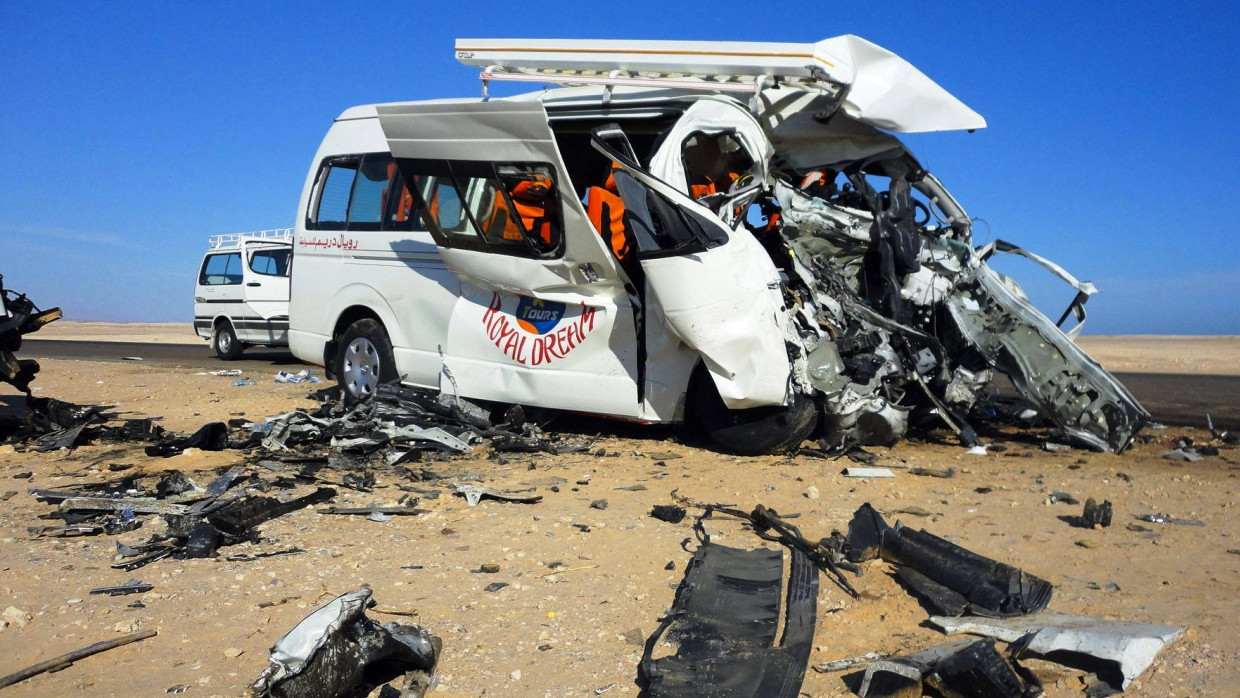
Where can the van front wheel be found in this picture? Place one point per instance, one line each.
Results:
(364, 359)
(752, 431)
(227, 347)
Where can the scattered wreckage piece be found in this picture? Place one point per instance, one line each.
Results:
(826, 553)
(474, 494)
(19, 316)
(137, 506)
(868, 472)
(133, 586)
(1165, 519)
(68, 531)
(67, 659)
(338, 651)
(849, 663)
(724, 621)
(951, 578)
(1096, 514)
(366, 511)
(1128, 647)
(962, 668)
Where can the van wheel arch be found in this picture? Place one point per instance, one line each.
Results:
(750, 431)
(224, 340)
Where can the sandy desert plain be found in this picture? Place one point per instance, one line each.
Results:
(586, 586)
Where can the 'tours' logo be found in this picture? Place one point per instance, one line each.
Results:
(537, 316)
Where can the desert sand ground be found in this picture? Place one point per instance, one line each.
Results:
(578, 631)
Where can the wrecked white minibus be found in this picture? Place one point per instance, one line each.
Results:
(724, 234)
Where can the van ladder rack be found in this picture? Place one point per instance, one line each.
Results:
(689, 65)
(231, 239)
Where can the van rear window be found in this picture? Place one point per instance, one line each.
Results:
(221, 270)
(359, 193)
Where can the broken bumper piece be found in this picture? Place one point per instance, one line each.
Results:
(967, 668)
(724, 623)
(338, 651)
(1126, 648)
(950, 578)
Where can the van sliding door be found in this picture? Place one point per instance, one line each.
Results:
(543, 317)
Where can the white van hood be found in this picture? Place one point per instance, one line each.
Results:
(879, 88)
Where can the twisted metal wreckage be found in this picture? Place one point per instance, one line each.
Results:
(19, 316)
(893, 315)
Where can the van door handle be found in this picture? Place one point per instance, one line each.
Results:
(254, 283)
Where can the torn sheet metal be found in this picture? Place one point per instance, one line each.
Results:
(949, 577)
(724, 623)
(338, 651)
(1129, 647)
(961, 669)
(474, 494)
(19, 316)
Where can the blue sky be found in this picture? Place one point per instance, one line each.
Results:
(132, 131)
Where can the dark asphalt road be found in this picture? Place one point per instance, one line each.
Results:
(194, 356)
(1179, 400)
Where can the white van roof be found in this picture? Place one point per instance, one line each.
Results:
(874, 85)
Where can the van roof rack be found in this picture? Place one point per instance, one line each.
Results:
(727, 66)
(233, 239)
(870, 83)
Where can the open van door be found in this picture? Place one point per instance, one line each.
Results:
(543, 304)
(713, 288)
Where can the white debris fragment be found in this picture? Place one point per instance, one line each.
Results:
(978, 450)
(868, 472)
(1133, 646)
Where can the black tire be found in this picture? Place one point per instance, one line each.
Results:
(752, 431)
(227, 346)
(364, 358)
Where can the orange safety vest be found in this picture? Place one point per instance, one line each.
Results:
(700, 190)
(532, 198)
(606, 211)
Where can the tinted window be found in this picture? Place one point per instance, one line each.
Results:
(270, 262)
(337, 178)
(508, 208)
(363, 192)
(221, 270)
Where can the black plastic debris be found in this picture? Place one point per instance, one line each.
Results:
(209, 437)
(203, 539)
(338, 651)
(950, 578)
(668, 512)
(972, 668)
(133, 586)
(1096, 514)
(724, 624)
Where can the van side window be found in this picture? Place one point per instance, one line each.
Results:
(221, 270)
(506, 208)
(270, 262)
(359, 193)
